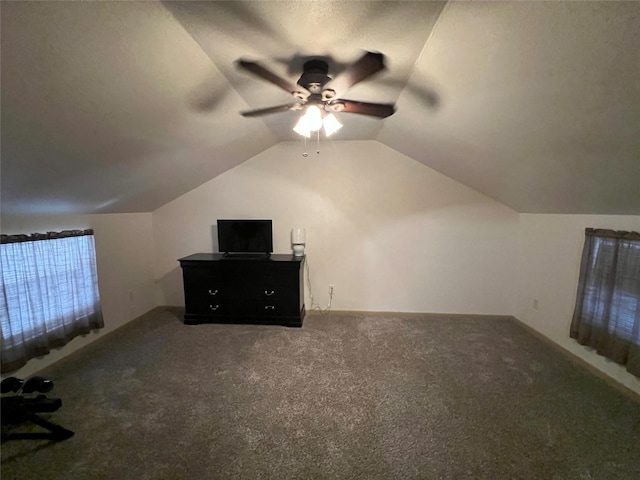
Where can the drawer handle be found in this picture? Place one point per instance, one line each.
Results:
(268, 294)
(269, 307)
(213, 292)
(212, 307)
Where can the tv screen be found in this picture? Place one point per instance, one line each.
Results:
(245, 236)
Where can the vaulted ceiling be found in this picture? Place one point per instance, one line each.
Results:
(124, 106)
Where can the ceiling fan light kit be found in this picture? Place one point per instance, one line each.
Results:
(320, 93)
(314, 119)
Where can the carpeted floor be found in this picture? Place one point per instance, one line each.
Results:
(347, 396)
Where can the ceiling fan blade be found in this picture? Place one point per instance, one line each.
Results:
(269, 76)
(380, 110)
(358, 71)
(267, 111)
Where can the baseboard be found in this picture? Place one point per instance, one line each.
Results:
(581, 362)
(361, 313)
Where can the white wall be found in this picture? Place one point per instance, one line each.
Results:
(550, 248)
(388, 232)
(124, 255)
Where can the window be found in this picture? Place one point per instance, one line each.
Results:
(607, 313)
(49, 293)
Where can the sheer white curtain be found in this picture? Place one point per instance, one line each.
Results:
(49, 293)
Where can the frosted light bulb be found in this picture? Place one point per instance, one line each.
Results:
(314, 118)
(331, 124)
(301, 128)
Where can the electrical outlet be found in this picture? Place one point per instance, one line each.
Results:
(536, 304)
(331, 289)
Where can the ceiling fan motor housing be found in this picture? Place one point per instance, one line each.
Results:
(314, 76)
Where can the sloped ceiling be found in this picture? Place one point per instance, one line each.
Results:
(124, 106)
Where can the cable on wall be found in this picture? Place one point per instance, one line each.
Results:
(315, 306)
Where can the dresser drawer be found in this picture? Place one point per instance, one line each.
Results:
(207, 292)
(272, 308)
(271, 292)
(213, 308)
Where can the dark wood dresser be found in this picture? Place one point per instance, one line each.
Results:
(241, 289)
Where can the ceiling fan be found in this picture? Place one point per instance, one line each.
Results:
(320, 94)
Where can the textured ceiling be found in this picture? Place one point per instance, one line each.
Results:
(124, 106)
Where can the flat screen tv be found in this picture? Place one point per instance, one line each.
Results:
(245, 236)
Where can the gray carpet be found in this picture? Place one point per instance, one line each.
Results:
(347, 396)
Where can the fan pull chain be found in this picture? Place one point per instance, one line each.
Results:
(304, 153)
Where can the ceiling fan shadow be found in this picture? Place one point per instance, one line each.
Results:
(207, 96)
(238, 17)
(295, 63)
(424, 94)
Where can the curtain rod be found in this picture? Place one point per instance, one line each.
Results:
(34, 237)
